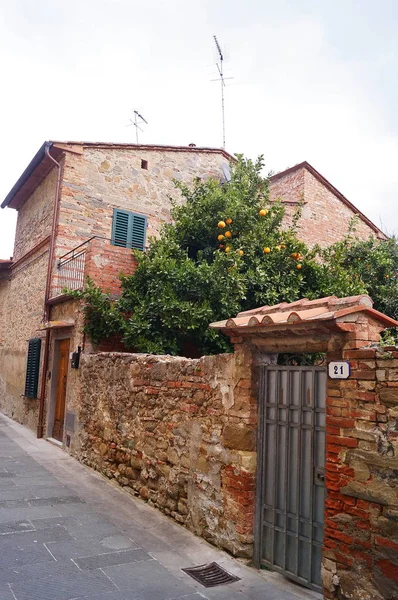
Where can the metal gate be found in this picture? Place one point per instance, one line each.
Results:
(291, 460)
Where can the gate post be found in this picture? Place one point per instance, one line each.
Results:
(239, 437)
(360, 560)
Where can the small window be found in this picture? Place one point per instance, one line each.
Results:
(144, 164)
(32, 368)
(128, 229)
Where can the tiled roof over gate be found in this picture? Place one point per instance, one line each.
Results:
(323, 309)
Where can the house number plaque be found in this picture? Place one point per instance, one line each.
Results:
(339, 370)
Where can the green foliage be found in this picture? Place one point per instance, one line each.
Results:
(189, 278)
(102, 315)
(370, 267)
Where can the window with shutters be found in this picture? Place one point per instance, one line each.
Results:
(32, 368)
(128, 229)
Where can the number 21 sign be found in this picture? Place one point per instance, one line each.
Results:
(339, 370)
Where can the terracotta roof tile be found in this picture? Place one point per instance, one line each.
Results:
(304, 310)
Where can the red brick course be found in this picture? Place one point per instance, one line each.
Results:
(105, 262)
(361, 536)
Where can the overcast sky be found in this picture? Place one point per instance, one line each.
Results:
(314, 80)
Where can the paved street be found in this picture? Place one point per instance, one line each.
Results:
(66, 533)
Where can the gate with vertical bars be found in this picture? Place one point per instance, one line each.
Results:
(291, 460)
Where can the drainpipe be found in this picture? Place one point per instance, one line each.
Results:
(47, 307)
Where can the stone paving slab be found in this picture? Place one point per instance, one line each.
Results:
(30, 571)
(54, 500)
(42, 536)
(147, 580)
(31, 512)
(63, 587)
(16, 527)
(111, 559)
(6, 594)
(66, 533)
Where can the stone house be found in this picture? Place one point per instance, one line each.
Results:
(81, 207)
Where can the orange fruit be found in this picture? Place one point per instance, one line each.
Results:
(263, 212)
(267, 250)
(241, 252)
(227, 249)
(283, 246)
(228, 221)
(278, 247)
(228, 234)
(298, 266)
(220, 237)
(221, 224)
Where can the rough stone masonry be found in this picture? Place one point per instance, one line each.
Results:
(361, 512)
(178, 432)
(181, 434)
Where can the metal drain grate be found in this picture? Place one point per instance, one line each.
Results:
(211, 575)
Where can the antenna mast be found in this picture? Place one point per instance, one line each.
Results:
(220, 68)
(137, 119)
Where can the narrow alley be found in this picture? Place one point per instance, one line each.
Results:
(67, 533)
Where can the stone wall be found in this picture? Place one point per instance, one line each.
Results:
(35, 216)
(102, 179)
(361, 529)
(23, 310)
(4, 288)
(325, 218)
(23, 315)
(179, 433)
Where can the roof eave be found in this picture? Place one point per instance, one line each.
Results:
(34, 163)
(242, 330)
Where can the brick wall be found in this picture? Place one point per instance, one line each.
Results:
(179, 433)
(104, 263)
(325, 218)
(361, 531)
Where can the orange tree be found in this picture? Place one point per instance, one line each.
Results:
(227, 250)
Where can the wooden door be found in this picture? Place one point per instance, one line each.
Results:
(59, 415)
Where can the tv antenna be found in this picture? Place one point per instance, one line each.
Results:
(220, 67)
(138, 119)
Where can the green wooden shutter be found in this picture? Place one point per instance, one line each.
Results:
(138, 231)
(128, 229)
(32, 368)
(120, 227)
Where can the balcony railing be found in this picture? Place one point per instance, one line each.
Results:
(90, 259)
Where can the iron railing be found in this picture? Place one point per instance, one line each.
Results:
(70, 269)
